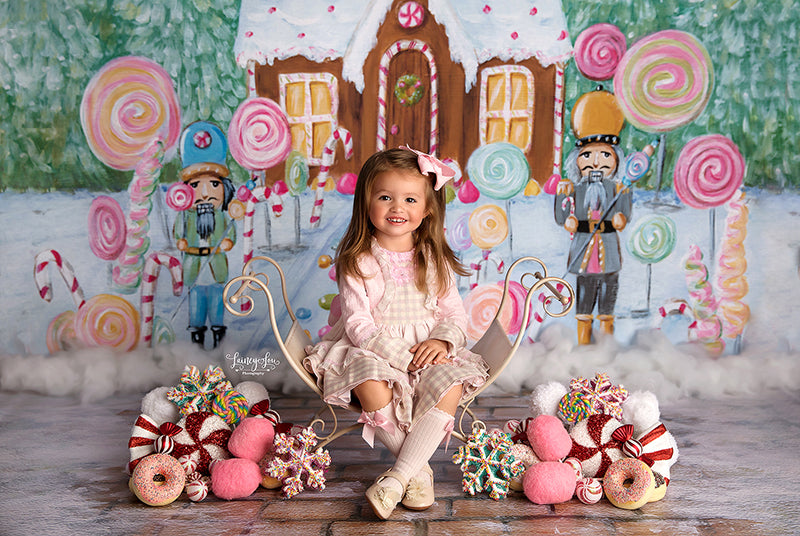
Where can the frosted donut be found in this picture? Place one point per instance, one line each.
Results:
(629, 483)
(157, 479)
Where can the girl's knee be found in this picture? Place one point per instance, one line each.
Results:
(373, 394)
(449, 402)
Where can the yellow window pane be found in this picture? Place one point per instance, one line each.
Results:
(495, 92)
(295, 99)
(495, 130)
(519, 133)
(519, 91)
(320, 98)
(322, 131)
(299, 137)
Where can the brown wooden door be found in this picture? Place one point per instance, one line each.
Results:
(408, 115)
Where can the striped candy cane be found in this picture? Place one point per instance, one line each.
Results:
(259, 194)
(42, 277)
(152, 267)
(328, 155)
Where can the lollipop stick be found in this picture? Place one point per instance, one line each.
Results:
(712, 231)
(662, 150)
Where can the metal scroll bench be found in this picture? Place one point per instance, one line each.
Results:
(495, 346)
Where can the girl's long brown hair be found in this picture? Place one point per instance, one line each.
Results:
(429, 238)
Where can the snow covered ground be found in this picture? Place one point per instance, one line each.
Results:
(638, 356)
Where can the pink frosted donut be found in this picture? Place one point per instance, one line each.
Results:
(158, 479)
(629, 483)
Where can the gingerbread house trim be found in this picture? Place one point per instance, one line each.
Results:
(442, 76)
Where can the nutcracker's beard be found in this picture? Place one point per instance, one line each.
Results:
(595, 192)
(205, 220)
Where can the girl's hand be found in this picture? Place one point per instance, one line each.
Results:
(432, 351)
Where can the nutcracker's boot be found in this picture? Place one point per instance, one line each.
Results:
(584, 328)
(199, 336)
(606, 323)
(219, 333)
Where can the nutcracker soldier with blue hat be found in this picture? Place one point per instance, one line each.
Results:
(205, 232)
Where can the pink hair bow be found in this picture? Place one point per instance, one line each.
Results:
(372, 423)
(431, 164)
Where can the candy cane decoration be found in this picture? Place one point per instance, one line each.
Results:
(383, 82)
(42, 278)
(486, 256)
(328, 156)
(558, 119)
(259, 194)
(152, 267)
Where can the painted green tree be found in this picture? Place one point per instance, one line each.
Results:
(50, 51)
(754, 49)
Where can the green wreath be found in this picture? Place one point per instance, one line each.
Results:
(409, 90)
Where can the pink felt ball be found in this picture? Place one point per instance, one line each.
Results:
(347, 184)
(548, 438)
(252, 439)
(549, 483)
(235, 478)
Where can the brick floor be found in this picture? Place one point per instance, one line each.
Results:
(82, 489)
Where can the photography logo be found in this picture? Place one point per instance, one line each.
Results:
(252, 366)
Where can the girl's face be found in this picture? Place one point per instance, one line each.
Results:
(397, 207)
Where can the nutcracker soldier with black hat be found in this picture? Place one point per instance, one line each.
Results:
(205, 232)
(583, 205)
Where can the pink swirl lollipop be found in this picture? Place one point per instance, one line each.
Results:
(481, 305)
(126, 105)
(180, 196)
(108, 320)
(107, 228)
(458, 233)
(664, 81)
(598, 50)
(709, 171)
(258, 135)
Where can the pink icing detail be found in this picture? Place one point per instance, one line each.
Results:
(514, 35)
(487, 9)
(533, 11)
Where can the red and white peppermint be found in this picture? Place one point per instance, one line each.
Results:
(410, 15)
(589, 490)
(204, 433)
(593, 444)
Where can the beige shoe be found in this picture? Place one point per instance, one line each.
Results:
(383, 499)
(419, 492)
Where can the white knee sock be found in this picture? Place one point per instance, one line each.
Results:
(392, 440)
(422, 441)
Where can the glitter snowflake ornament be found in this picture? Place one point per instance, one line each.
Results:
(599, 395)
(295, 458)
(486, 463)
(197, 391)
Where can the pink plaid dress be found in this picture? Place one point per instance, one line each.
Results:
(394, 322)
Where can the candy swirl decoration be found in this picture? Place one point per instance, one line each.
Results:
(126, 105)
(108, 320)
(709, 171)
(664, 81)
(499, 170)
(458, 235)
(180, 196)
(598, 51)
(61, 333)
(731, 282)
(107, 228)
(481, 305)
(488, 226)
(258, 134)
(296, 176)
(409, 90)
(653, 239)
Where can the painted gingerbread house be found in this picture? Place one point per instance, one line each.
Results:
(443, 76)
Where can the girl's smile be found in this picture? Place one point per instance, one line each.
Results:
(397, 207)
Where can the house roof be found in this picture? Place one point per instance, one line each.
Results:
(478, 30)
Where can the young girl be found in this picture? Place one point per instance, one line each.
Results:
(399, 345)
